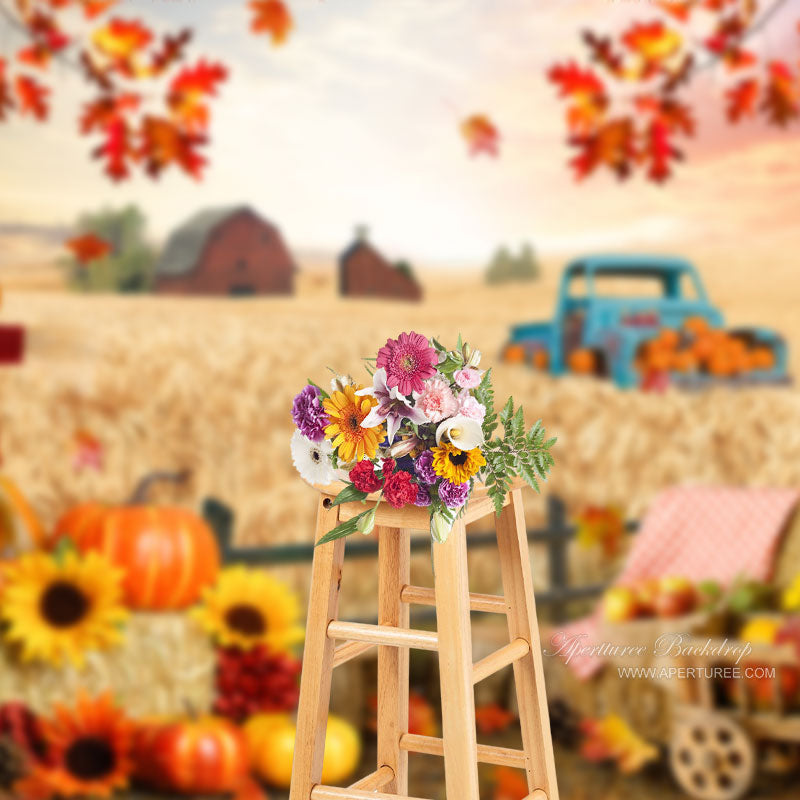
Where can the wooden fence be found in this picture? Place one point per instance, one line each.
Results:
(555, 535)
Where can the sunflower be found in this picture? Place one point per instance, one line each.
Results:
(90, 751)
(247, 608)
(347, 412)
(59, 607)
(454, 465)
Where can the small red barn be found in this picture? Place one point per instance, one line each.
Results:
(364, 272)
(230, 251)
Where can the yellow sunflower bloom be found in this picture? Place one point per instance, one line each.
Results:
(57, 609)
(247, 607)
(457, 466)
(347, 411)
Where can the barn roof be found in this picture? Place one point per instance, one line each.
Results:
(186, 242)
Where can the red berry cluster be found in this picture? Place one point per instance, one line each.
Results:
(250, 681)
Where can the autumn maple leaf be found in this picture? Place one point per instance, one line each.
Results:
(88, 247)
(272, 17)
(99, 113)
(164, 143)
(492, 718)
(170, 51)
(680, 10)
(188, 89)
(94, 8)
(481, 135)
(780, 101)
(742, 99)
(612, 145)
(653, 42)
(32, 97)
(116, 148)
(586, 92)
(121, 41)
(47, 37)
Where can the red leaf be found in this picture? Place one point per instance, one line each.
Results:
(492, 718)
(47, 39)
(481, 135)
(99, 113)
(780, 102)
(121, 41)
(164, 143)
(94, 73)
(602, 51)
(611, 145)
(587, 94)
(654, 42)
(6, 101)
(116, 149)
(572, 79)
(188, 89)
(680, 10)
(742, 99)
(86, 248)
(32, 97)
(171, 51)
(94, 8)
(272, 17)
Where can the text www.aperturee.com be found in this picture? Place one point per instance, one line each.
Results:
(697, 673)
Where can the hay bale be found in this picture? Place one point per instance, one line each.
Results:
(164, 663)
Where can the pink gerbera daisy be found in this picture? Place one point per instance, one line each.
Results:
(408, 361)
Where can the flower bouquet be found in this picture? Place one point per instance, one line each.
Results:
(421, 434)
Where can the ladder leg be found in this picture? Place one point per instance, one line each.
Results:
(315, 681)
(515, 567)
(455, 666)
(393, 575)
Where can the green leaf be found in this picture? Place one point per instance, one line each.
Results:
(322, 392)
(349, 495)
(65, 545)
(343, 529)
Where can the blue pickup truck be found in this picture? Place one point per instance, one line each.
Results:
(613, 307)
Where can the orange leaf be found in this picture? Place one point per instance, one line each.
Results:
(171, 51)
(587, 94)
(492, 718)
(510, 784)
(680, 10)
(742, 99)
(164, 143)
(47, 39)
(94, 8)
(654, 42)
(187, 90)
(611, 145)
(86, 248)
(121, 39)
(272, 17)
(32, 97)
(101, 112)
(481, 135)
(780, 101)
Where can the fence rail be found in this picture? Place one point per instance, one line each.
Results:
(556, 535)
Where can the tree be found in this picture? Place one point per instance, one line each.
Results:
(527, 265)
(627, 105)
(500, 267)
(505, 267)
(128, 266)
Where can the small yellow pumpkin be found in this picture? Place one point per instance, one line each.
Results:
(270, 740)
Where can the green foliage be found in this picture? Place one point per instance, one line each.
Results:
(129, 265)
(516, 454)
(405, 268)
(506, 267)
(344, 528)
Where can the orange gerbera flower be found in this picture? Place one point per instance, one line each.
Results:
(347, 411)
(89, 750)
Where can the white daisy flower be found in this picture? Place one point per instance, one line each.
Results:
(312, 459)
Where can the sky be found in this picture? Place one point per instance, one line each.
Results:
(355, 120)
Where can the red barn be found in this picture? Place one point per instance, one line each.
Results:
(231, 251)
(364, 272)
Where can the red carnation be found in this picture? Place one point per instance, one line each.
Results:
(388, 467)
(364, 478)
(399, 490)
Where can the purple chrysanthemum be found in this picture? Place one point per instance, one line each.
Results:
(409, 360)
(423, 466)
(423, 497)
(454, 495)
(309, 415)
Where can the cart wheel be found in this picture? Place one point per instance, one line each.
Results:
(712, 757)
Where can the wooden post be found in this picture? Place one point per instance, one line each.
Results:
(315, 682)
(534, 717)
(393, 574)
(455, 665)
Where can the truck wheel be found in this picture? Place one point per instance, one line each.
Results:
(711, 756)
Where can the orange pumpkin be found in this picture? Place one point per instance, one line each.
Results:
(540, 359)
(684, 361)
(696, 325)
(204, 755)
(169, 554)
(582, 361)
(668, 338)
(762, 358)
(514, 354)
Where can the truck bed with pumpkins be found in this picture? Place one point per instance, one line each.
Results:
(645, 321)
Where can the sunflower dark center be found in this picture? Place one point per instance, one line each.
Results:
(246, 619)
(63, 604)
(459, 458)
(90, 758)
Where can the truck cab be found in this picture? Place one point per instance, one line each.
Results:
(611, 305)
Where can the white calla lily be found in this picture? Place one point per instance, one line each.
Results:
(462, 432)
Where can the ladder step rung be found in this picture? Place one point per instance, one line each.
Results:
(375, 780)
(320, 792)
(492, 603)
(350, 650)
(383, 634)
(487, 754)
(506, 655)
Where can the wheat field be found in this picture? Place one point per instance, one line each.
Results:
(207, 385)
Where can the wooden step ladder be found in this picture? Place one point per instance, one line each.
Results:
(331, 642)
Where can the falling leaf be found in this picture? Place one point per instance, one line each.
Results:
(272, 17)
(780, 102)
(88, 247)
(742, 99)
(481, 135)
(188, 89)
(612, 739)
(492, 718)
(510, 784)
(32, 97)
(89, 453)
